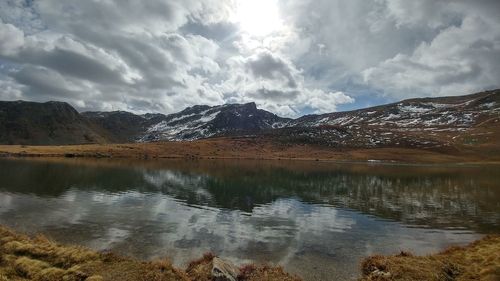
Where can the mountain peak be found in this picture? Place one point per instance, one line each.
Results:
(250, 105)
(203, 121)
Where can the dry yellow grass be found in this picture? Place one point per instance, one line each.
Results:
(39, 259)
(250, 148)
(478, 261)
(199, 270)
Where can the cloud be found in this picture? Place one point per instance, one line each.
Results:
(397, 48)
(274, 83)
(113, 16)
(141, 59)
(166, 55)
(11, 90)
(22, 15)
(323, 102)
(11, 39)
(44, 81)
(266, 65)
(459, 60)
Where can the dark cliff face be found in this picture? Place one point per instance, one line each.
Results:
(44, 123)
(246, 117)
(122, 126)
(204, 121)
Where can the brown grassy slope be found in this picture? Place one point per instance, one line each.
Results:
(23, 258)
(256, 148)
(478, 261)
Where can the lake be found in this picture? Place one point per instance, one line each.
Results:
(317, 219)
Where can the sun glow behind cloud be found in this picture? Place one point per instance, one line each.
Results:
(258, 17)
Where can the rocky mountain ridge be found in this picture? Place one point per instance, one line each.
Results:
(416, 123)
(50, 123)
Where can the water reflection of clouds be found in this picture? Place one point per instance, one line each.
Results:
(275, 225)
(279, 224)
(177, 182)
(285, 231)
(160, 178)
(112, 236)
(178, 214)
(31, 210)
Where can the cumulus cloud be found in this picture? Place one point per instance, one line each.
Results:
(460, 59)
(266, 65)
(11, 39)
(123, 54)
(275, 84)
(165, 55)
(400, 49)
(11, 90)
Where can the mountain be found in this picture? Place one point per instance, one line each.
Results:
(199, 121)
(436, 123)
(123, 126)
(423, 122)
(59, 123)
(45, 123)
(457, 112)
(202, 121)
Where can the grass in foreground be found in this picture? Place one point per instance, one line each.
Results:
(24, 258)
(477, 261)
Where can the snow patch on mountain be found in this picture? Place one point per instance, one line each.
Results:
(191, 127)
(203, 121)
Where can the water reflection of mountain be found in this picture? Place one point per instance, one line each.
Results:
(439, 197)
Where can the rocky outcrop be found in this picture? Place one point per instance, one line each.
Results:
(224, 270)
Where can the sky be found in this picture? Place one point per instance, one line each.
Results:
(291, 57)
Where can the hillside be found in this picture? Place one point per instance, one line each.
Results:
(419, 123)
(431, 123)
(199, 122)
(121, 125)
(445, 124)
(45, 123)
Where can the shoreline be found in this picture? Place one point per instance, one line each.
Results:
(25, 257)
(283, 161)
(251, 149)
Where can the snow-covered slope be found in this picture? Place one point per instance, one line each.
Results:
(203, 121)
(415, 123)
(453, 113)
(428, 122)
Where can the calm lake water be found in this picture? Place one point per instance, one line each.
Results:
(316, 219)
